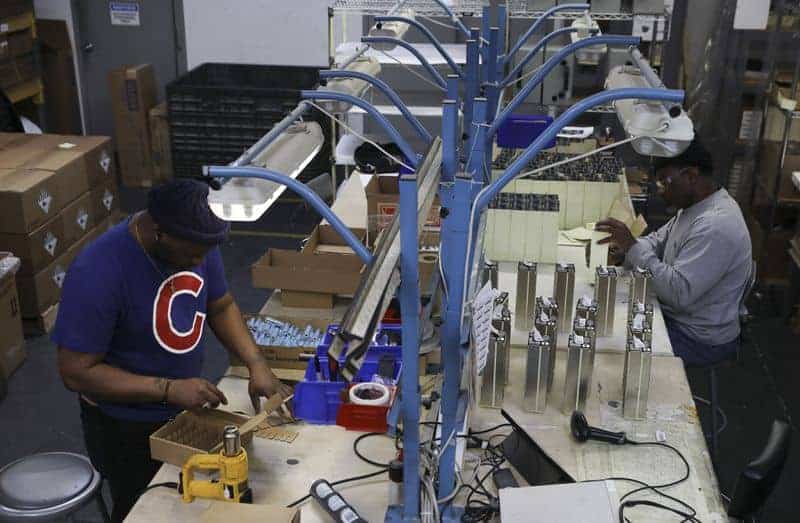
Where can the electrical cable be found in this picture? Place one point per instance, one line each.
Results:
(364, 458)
(340, 482)
(166, 484)
(490, 429)
(357, 134)
(408, 68)
(722, 414)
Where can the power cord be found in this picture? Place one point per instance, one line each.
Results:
(340, 482)
(364, 458)
(168, 484)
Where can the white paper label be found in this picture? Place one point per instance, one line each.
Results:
(661, 436)
(124, 13)
(108, 199)
(44, 201)
(105, 161)
(58, 275)
(638, 321)
(50, 243)
(83, 218)
(482, 308)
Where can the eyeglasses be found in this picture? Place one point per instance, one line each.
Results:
(668, 179)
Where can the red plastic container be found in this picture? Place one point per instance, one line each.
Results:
(364, 418)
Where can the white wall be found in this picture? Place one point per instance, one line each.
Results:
(62, 10)
(277, 32)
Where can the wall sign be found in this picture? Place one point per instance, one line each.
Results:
(124, 13)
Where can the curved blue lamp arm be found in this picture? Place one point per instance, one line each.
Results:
(429, 35)
(396, 41)
(387, 91)
(304, 192)
(411, 156)
(548, 66)
(528, 57)
(453, 17)
(567, 117)
(538, 23)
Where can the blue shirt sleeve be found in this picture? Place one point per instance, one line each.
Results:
(90, 306)
(215, 275)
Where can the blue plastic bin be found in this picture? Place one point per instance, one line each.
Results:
(520, 130)
(318, 401)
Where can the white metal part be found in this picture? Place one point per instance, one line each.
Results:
(391, 29)
(351, 86)
(246, 199)
(587, 27)
(658, 133)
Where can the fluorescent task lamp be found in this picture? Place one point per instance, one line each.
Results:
(352, 86)
(585, 27)
(663, 129)
(246, 199)
(393, 29)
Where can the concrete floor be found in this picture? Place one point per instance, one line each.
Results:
(40, 415)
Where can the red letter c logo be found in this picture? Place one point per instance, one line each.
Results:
(165, 332)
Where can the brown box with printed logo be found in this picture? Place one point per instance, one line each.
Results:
(40, 291)
(39, 248)
(79, 217)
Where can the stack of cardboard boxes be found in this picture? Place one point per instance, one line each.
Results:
(57, 193)
(20, 75)
(141, 130)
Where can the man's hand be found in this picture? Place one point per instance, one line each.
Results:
(263, 383)
(619, 234)
(194, 393)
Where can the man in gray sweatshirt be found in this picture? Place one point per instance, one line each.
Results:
(701, 259)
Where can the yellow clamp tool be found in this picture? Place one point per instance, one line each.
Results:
(231, 465)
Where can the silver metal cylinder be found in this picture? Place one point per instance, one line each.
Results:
(548, 327)
(639, 287)
(636, 380)
(605, 294)
(563, 289)
(489, 273)
(537, 372)
(586, 309)
(231, 442)
(493, 382)
(501, 321)
(578, 379)
(526, 295)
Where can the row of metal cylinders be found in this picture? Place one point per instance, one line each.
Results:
(546, 317)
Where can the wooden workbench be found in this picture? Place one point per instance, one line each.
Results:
(326, 451)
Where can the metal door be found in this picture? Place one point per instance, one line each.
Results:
(113, 34)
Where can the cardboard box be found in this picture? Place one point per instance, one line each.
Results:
(97, 155)
(17, 70)
(39, 292)
(16, 44)
(193, 433)
(383, 199)
(25, 161)
(79, 218)
(161, 144)
(770, 156)
(324, 266)
(58, 76)
(39, 248)
(105, 200)
(133, 95)
(12, 342)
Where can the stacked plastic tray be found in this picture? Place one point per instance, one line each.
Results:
(217, 111)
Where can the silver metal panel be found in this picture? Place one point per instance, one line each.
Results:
(563, 289)
(526, 295)
(605, 294)
(580, 363)
(489, 274)
(501, 321)
(547, 325)
(636, 381)
(493, 381)
(639, 287)
(537, 373)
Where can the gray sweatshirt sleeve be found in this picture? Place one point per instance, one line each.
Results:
(702, 262)
(654, 242)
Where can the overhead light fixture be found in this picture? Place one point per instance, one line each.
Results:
(663, 129)
(587, 27)
(247, 199)
(393, 29)
(352, 86)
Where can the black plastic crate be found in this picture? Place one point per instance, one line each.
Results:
(217, 111)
